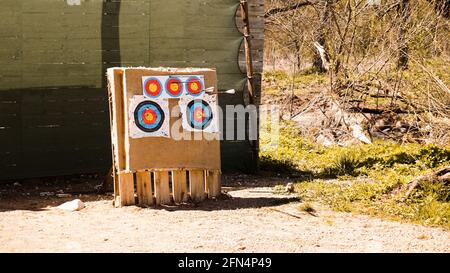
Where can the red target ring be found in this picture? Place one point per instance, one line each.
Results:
(174, 87)
(199, 114)
(149, 116)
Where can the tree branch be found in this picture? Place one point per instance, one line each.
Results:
(288, 8)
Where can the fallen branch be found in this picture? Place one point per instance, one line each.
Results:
(368, 110)
(441, 175)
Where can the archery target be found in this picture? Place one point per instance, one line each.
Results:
(174, 86)
(152, 87)
(194, 86)
(199, 114)
(148, 117)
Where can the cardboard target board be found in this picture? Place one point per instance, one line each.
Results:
(164, 128)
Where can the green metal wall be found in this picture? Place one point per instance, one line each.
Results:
(53, 56)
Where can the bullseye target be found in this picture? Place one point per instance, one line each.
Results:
(194, 86)
(149, 116)
(174, 87)
(152, 87)
(199, 114)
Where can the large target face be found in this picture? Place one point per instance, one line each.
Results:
(152, 87)
(149, 116)
(199, 114)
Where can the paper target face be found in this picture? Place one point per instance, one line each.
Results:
(148, 117)
(152, 87)
(174, 86)
(194, 86)
(199, 114)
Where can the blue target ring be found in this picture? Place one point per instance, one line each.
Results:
(199, 114)
(149, 116)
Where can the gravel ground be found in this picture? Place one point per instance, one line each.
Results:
(254, 220)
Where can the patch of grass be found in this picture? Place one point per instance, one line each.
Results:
(307, 207)
(277, 83)
(384, 166)
(422, 237)
(295, 153)
(277, 165)
(375, 199)
(276, 75)
(279, 189)
(312, 70)
(344, 164)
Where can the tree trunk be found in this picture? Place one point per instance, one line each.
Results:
(321, 38)
(297, 54)
(404, 12)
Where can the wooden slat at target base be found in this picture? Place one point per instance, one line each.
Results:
(179, 187)
(197, 185)
(144, 188)
(165, 187)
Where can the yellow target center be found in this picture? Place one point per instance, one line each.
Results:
(200, 114)
(149, 117)
(194, 86)
(174, 86)
(153, 87)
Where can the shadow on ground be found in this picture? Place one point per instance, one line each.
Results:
(42, 194)
(233, 203)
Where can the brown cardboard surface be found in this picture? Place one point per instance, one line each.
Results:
(160, 152)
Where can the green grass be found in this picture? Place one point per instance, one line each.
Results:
(307, 207)
(278, 82)
(364, 176)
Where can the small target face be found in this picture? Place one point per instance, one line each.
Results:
(152, 87)
(148, 116)
(174, 87)
(194, 86)
(199, 114)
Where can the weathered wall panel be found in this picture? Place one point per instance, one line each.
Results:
(53, 102)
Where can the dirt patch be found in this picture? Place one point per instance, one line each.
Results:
(253, 220)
